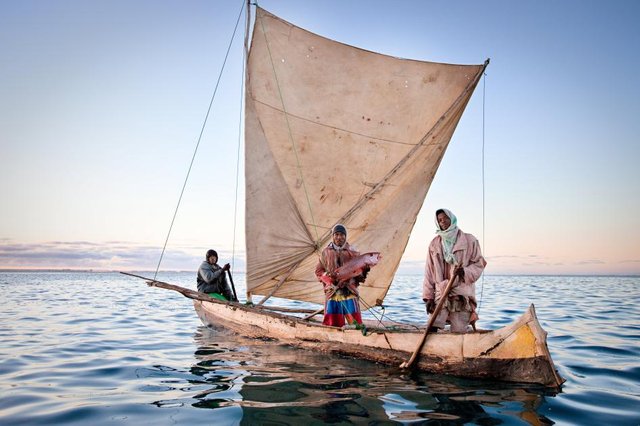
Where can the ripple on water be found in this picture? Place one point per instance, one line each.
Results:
(594, 371)
(609, 407)
(11, 365)
(106, 350)
(561, 338)
(600, 351)
(27, 397)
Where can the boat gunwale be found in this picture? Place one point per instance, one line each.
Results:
(537, 368)
(428, 362)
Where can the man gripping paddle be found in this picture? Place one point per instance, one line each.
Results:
(452, 253)
(211, 278)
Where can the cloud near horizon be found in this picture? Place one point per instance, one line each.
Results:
(127, 256)
(112, 255)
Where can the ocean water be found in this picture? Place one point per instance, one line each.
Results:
(103, 348)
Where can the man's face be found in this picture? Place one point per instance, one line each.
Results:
(339, 239)
(212, 260)
(444, 221)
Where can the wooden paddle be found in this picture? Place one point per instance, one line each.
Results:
(233, 287)
(313, 314)
(432, 319)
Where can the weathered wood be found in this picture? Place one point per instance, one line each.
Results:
(432, 319)
(233, 286)
(191, 294)
(517, 352)
(314, 313)
(196, 295)
(514, 353)
(283, 309)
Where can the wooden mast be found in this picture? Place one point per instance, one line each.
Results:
(246, 81)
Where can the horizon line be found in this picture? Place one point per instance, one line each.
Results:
(103, 271)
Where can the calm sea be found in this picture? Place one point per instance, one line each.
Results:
(103, 348)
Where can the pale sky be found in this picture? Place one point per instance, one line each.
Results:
(101, 105)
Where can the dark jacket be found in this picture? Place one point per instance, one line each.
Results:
(212, 279)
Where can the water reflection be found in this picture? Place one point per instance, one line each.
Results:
(278, 384)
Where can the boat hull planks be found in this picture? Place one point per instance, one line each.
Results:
(515, 353)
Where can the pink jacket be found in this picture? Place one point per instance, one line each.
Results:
(329, 259)
(328, 263)
(437, 271)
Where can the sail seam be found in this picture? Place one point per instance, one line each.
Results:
(436, 127)
(329, 126)
(280, 282)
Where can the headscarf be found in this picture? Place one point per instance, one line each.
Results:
(448, 237)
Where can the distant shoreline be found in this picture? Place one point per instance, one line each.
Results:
(106, 271)
(94, 271)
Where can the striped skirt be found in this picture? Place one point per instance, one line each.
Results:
(342, 309)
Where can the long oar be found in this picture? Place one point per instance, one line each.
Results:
(432, 318)
(313, 314)
(233, 287)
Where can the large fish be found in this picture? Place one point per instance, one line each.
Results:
(353, 268)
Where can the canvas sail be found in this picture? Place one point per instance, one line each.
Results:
(337, 134)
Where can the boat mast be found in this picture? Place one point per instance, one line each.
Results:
(246, 38)
(246, 81)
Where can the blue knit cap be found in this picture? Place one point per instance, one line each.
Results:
(339, 228)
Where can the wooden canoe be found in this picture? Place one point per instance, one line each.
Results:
(517, 352)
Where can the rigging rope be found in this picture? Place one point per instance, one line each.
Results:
(240, 122)
(373, 313)
(235, 205)
(484, 86)
(184, 185)
(293, 144)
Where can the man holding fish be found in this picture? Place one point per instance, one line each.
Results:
(341, 269)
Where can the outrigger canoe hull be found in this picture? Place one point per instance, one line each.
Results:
(515, 353)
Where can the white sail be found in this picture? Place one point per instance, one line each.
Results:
(337, 134)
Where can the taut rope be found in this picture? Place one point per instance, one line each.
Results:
(195, 151)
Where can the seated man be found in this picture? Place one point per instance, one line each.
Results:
(212, 279)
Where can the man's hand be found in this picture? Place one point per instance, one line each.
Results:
(331, 276)
(459, 272)
(365, 271)
(226, 267)
(430, 304)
